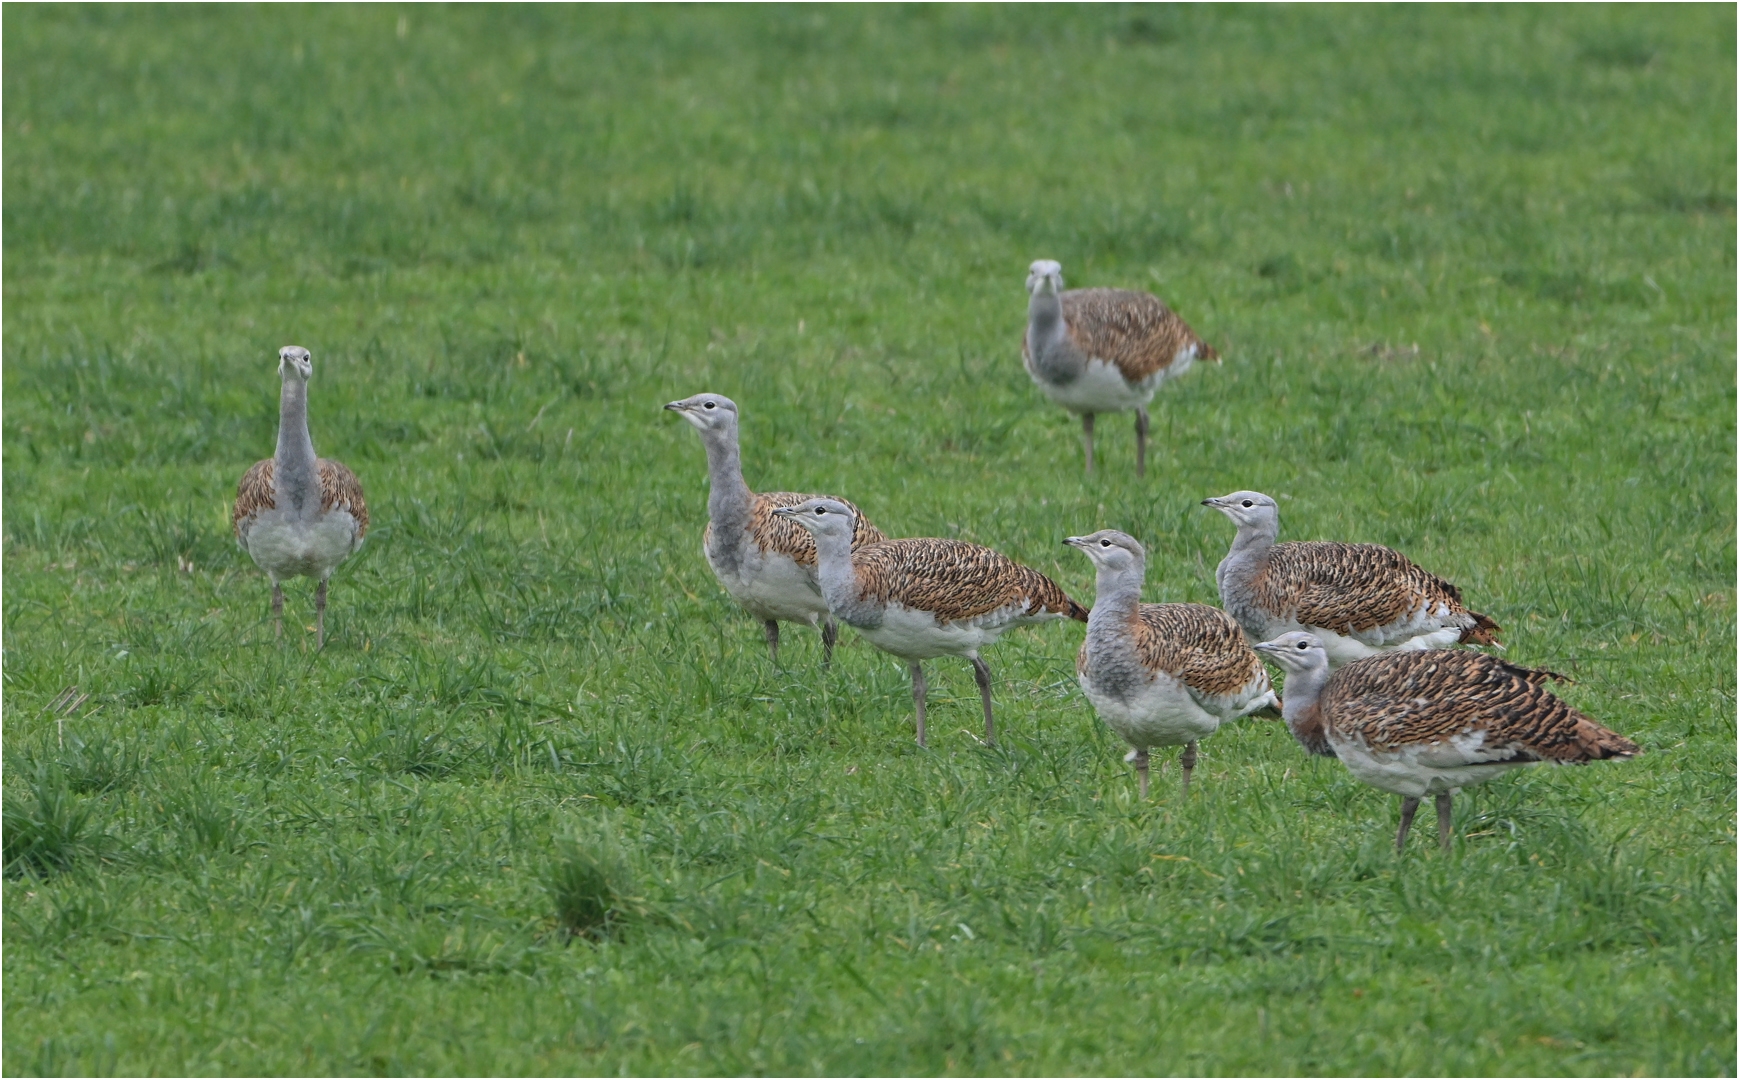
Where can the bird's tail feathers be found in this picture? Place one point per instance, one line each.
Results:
(1597, 743)
(1483, 631)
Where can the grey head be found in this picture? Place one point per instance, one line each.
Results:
(1111, 550)
(1044, 276)
(822, 517)
(1298, 652)
(1248, 510)
(711, 414)
(297, 361)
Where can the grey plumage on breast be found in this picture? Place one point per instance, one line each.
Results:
(1233, 576)
(859, 614)
(1113, 666)
(1060, 364)
(726, 557)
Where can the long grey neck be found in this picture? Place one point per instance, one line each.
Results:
(1054, 356)
(1117, 593)
(1249, 552)
(1302, 690)
(838, 581)
(1112, 660)
(294, 470)
(729, 501)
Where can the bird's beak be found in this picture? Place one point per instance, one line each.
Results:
(673, 406)
(783, 511)
(1215, 503)
(1075, 541)
(1266, 646)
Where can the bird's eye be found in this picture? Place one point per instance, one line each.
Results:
(1104, 543)
(1248, 504)
(714, 405)
(819, 510)
(1302, 645)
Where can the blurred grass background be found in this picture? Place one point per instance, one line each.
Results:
(543, 806)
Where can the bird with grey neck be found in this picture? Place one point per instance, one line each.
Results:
(1358, 599)
(1103, 350)
(298, 515)
(1160, 674)
(922, 598)
(764, 562)
(1431, 722)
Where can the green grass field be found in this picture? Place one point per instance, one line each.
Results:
(1472, 272)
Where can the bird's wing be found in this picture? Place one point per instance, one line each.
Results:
(789, 538)
(1203, 648)
(955, 580)
(1133, 330)
(1450, 708)
(1366, 590)
(340, 490)
(252, 495)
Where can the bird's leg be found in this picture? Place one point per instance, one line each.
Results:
(1443, 832)
(919, 691)
(320, 615)
(1188, 760)
(1087, 439)
(981, 671)
(1139, 757)
(829, 635)
(1141, 427)
(1409, 807)
(773, 640)
(277, 611)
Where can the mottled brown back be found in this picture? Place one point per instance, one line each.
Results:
(1357, 587)
(1133, 330)
(787, 537)
(1201, 645)
(339, 490)
(1415, 698)
(955, 580)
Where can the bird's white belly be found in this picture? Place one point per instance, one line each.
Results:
(1102, 388)
(284, 546)
(919, 635)
(1161, 713)
(1405, 773)
(772, 585)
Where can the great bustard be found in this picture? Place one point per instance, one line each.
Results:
(1161, 674)
(764, 562)
(297, 515)
(1433, 722)
(1103, 350)
(1359, 599)
(919, 599)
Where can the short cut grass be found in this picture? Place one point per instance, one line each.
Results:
(543, 806)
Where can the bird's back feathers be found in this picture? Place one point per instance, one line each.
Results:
(1200, 646)
(777, 534)
(1499, 710)
(1133, 330)
(955, 580)
(1357, 588)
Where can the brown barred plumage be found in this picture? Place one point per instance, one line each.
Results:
(339, 490)
(1201, 646)
(252, 495)
(955, 580)
(781, 535)
(1417, 698)
(1351, 588)
(1133, 330)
